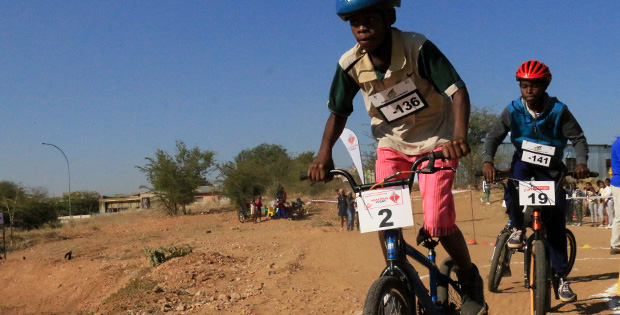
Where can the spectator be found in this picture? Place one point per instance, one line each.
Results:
(253, 210)
(487, 192)
(350, 211)
(610, 203)
(281, 193)
(602, 203)
(615, 191)
(577, 204)
(259, 204)
(342, 208)
(592, 203)
(281, 209)
(569, 203)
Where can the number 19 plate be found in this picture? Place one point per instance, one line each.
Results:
(384, 209)
(537, 193)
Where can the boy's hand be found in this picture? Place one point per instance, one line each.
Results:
(582, 171)
(455, 149)
(319, 169)
(489, 171)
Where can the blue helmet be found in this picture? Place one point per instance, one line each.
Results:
(346, 8)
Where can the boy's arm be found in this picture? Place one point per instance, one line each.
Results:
(492, 142)
(340, 104)
(458, 146)
(324, 162)
(572, 130)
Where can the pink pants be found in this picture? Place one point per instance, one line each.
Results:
(436, 189)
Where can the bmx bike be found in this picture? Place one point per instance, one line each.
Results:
(539, 276)
(399, 285)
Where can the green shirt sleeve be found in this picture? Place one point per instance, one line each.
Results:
(342, 93)
(437, 69)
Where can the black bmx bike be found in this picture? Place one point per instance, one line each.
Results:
(539, 276)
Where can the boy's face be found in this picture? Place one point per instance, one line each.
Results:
(607, 182)
(368, 29)
(532, 91)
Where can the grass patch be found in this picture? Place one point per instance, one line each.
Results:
(136, 286)
(160, 255)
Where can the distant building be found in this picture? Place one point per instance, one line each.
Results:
(146, 200)
(599, 158)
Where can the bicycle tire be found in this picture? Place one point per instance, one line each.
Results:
(241, 217)
(389, 295)
(447, 296)
(500, 254)
(540, 290)
(571, 242)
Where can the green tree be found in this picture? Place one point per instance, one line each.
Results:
(11, 196)
(481, 122)
(174, 179)
(257, 171)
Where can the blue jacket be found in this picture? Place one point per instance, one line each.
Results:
(554, 127)
(615, 163)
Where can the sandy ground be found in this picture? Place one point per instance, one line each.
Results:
(273, 267)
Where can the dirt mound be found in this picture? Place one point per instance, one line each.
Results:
(276, 266)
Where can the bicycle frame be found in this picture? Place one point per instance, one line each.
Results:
(398, 265)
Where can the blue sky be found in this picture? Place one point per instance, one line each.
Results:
(110, 82)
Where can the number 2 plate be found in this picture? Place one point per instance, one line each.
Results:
(537, 193)
(384, 209)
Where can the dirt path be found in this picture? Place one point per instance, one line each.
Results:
(276, 266)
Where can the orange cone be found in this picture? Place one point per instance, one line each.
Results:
(484, 243)
(472, 242)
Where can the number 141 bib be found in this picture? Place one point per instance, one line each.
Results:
(399, 101)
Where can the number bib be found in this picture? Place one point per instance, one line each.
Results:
(538, 154)
(384, 209)
(537, 193)
(399, 101)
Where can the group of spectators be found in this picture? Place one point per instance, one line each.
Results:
(596, 201)
(347, 210)
(281, 208)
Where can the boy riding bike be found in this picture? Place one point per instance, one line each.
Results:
(537, 118)
(407, 85)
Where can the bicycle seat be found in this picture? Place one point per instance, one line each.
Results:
(425, 239)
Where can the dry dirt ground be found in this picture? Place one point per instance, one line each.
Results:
(273, 267)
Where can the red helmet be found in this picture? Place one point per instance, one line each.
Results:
(533, 69)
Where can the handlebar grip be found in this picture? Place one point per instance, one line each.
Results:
(304, 177)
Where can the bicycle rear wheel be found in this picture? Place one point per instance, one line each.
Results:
(241, 216)
(571, 243)
(389, 295)
(447, 295)
(499, 262)
(540, 289)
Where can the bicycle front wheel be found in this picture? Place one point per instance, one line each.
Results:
(241, 217)
(447, 295)
(540, 289)
(499, 262)
(389, 295)
(571, 243)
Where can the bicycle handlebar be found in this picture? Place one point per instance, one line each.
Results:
(506, 174)
(428, 169)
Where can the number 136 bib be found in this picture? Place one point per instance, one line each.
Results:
(399, 101)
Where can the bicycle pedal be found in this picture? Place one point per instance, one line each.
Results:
(506, 273)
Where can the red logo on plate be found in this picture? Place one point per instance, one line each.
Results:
(351, 139)
(394, 197)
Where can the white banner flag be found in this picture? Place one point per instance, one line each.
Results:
(350, 141)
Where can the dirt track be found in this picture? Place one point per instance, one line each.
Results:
(273, 267)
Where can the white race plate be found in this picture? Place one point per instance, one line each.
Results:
(536, 158)
(537, 148)
(537, 193)
(384, 209)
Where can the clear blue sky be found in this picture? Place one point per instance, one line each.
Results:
(110, 82)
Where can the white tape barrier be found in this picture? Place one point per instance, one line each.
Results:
(591, 197)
